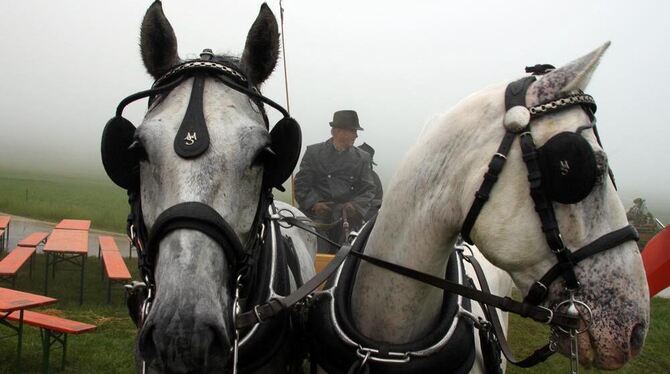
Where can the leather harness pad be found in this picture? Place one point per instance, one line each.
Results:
(456, 356)
(286, 142)
(568, 167)
(121, 164)
(192, 138)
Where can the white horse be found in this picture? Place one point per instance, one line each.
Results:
(189, 327)
(431, 192)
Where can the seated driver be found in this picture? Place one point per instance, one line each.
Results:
(334, 186)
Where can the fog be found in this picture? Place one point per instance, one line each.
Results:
(66, 64)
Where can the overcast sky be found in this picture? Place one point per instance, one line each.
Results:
(66, 64)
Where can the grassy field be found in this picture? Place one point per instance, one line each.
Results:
(54, 198)
(108, 350)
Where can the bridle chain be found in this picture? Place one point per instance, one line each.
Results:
(560, 103)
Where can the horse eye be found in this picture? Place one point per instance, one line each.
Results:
(137, 149)
(263, 155)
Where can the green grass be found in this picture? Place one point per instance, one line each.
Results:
(526, 336)
(53, 199)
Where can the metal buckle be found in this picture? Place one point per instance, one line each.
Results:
(551, 315)
(258, 316)
(366, 354)
(587, 321)
(545, 289)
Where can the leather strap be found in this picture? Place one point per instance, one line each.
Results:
(275, 306)
(539, 289)
(537, 313)
(196, 216)
(490, 178)
(515, 93)
(536, 357)
(545, 210)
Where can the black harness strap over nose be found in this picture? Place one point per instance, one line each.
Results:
(200, 217)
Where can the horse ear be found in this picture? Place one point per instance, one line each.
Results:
(571, 77)
(158, 42)
(262, 47)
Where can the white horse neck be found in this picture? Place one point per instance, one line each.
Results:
(420, 220)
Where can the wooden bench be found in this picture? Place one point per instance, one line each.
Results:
(10, 265)
(54, 330)
(34, 239)
(112, 263)
(322, 260)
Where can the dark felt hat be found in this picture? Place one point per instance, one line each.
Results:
(346, 119)
(367, 148)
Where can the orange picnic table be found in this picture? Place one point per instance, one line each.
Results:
(66, 245)
(74, 224)
(4, 228)
(17, 301)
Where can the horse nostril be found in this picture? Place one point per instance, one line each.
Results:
(637, 339)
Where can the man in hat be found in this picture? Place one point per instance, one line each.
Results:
(379, 191)
(334, 186)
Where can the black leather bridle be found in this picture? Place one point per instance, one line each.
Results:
(567, 322)
(515, 99)
(121, 156)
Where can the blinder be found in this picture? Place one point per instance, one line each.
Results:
(122, 163)
(568, 167)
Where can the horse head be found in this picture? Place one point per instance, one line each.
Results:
(510, 233)
(429, 201)
(205, 159)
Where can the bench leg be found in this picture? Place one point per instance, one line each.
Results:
(109, 291)
(46, 349)
(46, 275)
(49, 338)
(14, 281)
(30, 272)
(81, 280)
(53, 271)
(20, 333)
(64, 351)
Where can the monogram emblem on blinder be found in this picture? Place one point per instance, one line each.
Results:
(565, 167)
(190, 138)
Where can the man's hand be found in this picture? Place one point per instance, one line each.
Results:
(350, 208)
(321, 208)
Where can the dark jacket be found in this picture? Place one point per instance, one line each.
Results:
(327, 175)
(377, 199)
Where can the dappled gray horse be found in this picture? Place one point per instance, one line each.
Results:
(393, 324)
(199, 171)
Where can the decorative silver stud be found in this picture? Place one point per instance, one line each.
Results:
(516, 119)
